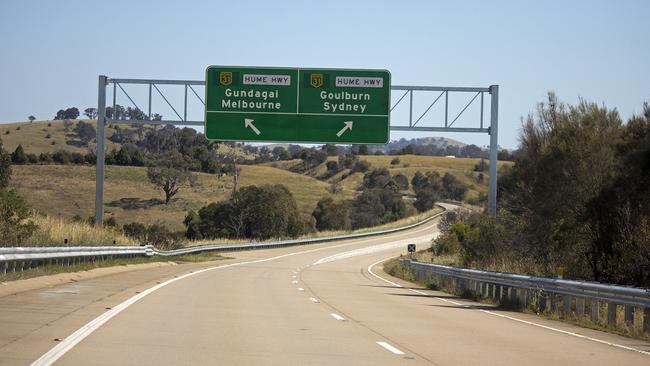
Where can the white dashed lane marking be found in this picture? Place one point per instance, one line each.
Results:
(390, 348)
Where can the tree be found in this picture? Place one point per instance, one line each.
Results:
(18, 156)
(91, 113)
(15, 225)
(31, 119)
(331, 149)
(137, 158)
(331, 215)
(402, 181)
(255, 212)
(85, 131)
(5, 167)
(70, 113)
(377, 178)
(362, 150)
(123, 157)
(170, 172)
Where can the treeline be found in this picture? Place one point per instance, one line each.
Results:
(576, 202)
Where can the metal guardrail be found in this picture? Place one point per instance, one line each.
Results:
(16, 259)
(566, 298)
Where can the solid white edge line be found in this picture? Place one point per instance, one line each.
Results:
(510, 317)
(390, 348)
(337, 317)
(73, 339)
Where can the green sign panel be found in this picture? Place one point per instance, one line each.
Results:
(297, 105)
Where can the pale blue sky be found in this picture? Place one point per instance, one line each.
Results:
(52, 51)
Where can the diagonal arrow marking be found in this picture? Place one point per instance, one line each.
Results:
(249, 123)
(348, 126)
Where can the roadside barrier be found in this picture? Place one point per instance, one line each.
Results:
(18, 259)
(579, 300)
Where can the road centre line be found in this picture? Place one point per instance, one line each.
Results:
(509, 317)
(73, 339)
(390, 348)
(301, 289)
(313, 299)
(337, 317)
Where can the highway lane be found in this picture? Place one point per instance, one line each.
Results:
(316, 305)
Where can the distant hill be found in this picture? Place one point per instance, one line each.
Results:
(396, 145)
(49, 136)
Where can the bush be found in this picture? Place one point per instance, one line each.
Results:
(45, 157)
(49, 135)
(395, 161)
(253, 212)
(15, 225)
(377, 178)
(156, 234)
(61, 157)
(402, 181)
(32, 158)
(18, 156)
(5, 167)
(361, 166)
(331, 215)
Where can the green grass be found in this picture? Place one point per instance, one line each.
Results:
(68, 190)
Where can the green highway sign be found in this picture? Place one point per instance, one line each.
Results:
(297, 105)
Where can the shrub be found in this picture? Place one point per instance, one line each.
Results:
(331, 215)
(61, 157)
(15, 226)
(5, 167)
(361, 166)
(18, 156)
(402, 181)
(395, 161)
(263, 212)
(48, 136)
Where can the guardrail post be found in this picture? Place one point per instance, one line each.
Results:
(629, 315)
(542, 303)
(566, 306)
(580, 308)
(553, 303)
(513, 296)
(611, 314)
(593, 307)
(646, 320)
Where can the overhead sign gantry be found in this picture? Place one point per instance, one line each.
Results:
(297, 105)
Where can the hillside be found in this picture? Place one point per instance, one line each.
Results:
(69, 190)
(34, 137)
(462, 168)
(397, 145)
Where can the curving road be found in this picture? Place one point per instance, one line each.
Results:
(312, 305)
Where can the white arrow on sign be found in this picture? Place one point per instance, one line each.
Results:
(249, 123)
(348, 126)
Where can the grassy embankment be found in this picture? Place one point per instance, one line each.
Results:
(69, 190)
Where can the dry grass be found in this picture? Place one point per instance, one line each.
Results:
(53, 230)
(32, 136)
(68, 190)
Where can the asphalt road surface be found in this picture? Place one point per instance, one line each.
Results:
(326, 304)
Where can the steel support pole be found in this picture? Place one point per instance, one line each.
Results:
(99, 166)
(494, 147)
